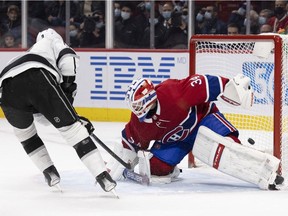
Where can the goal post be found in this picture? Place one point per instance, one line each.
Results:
(263, 58)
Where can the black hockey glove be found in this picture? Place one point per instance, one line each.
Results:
(84, 121)
(70, 90)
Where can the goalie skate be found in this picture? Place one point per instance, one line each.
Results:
(52, 176)
(277, 183)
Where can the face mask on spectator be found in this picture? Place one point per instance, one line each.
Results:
(117, 12)
(199, 17)
(279, 10)
(241, 11)
(208, 15)
(99, 24)
(125, 15)
(155, 21)
(166, 14)
(147, 5)
(262, 20)
(73, 33)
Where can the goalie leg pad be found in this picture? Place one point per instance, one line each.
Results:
(116, 169)
(234, 159)
(146, 163)
(167, 178)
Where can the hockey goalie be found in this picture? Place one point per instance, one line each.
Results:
(178, 116)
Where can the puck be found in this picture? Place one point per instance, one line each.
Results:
(251, 141)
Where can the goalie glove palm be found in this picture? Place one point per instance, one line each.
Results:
(238, 92)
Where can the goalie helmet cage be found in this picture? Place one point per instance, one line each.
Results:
(263, 58)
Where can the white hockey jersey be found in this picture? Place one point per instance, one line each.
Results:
(50, 53)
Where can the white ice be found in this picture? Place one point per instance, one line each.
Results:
(201, 191)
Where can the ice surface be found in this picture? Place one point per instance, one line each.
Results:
(200, 192)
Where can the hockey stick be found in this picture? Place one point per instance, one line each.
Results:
(136, 177)
(126, 165)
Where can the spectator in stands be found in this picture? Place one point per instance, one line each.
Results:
(86, 8)
(117, 11)
(12, 22)
(56, 12)
(146, 23)
(232, 29)
(280, 20)
(266, 28)
(174, 28)
(159, 32)
(238, 17)
(126, 31)
(9, 41)
(254, 22)
(74, 34)
(199, 20)
(212, 24)
(142, 19)
(185, 15)
(264, 16)
(93, 33)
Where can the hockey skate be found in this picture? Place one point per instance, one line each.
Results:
(52, 176)
(277, 182)
(106, 182)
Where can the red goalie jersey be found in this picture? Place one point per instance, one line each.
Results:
(181, 106)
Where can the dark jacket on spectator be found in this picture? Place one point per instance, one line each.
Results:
(126, 34)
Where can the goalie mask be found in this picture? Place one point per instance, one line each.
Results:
(141, 96)
(49, 34)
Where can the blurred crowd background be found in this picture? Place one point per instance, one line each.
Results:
(137, 24)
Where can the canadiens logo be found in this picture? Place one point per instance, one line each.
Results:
(179, 133)
(161, 123)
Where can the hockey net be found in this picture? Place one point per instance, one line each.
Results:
(263, 58)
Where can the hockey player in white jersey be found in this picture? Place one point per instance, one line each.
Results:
(42, 82)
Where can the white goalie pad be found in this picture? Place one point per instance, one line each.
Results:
(144, 163)
(145, 170)
(235, 159)
(116, 169)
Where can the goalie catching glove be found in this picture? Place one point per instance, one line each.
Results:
(238, 92)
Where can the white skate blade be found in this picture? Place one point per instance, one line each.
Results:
(58, 187)
(114, 193)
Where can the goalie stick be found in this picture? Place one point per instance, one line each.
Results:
(126, 165)
(138, 178)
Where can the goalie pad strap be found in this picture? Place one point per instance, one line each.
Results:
(234, 159)
(218, 155)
